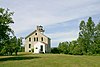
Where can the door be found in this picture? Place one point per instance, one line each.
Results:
(41, 48)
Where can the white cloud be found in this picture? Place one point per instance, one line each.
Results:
(45, 12)
(71, 34)
(64, 36)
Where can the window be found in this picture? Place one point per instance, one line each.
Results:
(35, 33)
(41, 38)
(29, 45)
(34, 38)
(37, 38)
(29, 39)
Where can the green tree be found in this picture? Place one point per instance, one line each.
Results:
(88, 41)
(63, 47)
(5, 30)
(70, 48)
(96, 45)
(15, 44)
(86, 35)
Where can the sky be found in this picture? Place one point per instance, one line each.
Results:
(60, 18)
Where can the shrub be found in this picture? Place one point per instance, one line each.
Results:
(54, 50)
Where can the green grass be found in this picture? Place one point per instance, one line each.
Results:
(49, 60)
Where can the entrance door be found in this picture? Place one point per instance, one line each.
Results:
(41, 48)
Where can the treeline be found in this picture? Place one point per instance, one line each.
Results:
(88, 41)
(9, 43)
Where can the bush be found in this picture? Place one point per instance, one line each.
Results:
(55, 50)
(89, 53)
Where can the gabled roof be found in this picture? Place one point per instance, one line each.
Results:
(34, 32)
(30, 34)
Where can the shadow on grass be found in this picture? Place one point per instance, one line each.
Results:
(18, 58)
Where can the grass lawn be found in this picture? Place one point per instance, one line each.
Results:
(49, 60)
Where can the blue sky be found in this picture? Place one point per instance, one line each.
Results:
(60, 18)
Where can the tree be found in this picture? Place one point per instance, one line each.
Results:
(12, 46)
(74, 48)
(97, 33)
(86, 35)
(15, 44)
(96, 45)
(5, 30)
(70, 48)
(63, 47)
(88, 41)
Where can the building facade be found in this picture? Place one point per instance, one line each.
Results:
(37, 41)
